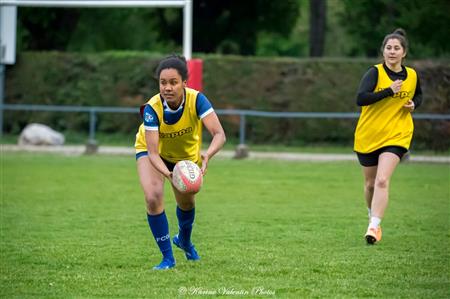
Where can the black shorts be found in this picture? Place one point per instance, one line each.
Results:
(169, 165)
(371, 159)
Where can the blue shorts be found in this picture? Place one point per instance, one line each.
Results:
(371, 159)
(169, 165)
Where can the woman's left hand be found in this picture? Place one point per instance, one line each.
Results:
(410, 106)
(205, 159)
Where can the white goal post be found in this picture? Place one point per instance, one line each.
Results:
(8, 12)
(185, 4)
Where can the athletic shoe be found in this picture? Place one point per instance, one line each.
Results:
(165, 264)
(189, 251)
(373, 235)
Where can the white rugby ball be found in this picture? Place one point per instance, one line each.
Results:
(187, 177)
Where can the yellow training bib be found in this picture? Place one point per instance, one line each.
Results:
(181, 140)
(386, 122)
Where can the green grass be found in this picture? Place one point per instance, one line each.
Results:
(75, 227)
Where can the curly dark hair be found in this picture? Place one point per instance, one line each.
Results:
(173, 62)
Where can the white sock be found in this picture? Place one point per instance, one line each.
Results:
(374, 222)
(370, 212)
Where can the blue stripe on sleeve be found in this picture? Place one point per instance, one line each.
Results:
(203, 105)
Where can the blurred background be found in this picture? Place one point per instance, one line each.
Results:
(262, 55)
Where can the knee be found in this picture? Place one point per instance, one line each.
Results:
(154, 201)
(370, 186)
(382, 182)
(186, 205)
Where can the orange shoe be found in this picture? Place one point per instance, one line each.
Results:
(373, 235)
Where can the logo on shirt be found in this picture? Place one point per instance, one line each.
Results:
(148, 117)
(176, 134)
(401, 94)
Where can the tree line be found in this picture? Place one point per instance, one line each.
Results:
(296, 28)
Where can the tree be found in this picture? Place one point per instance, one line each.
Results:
(218, 26)
(89, 29)
(317, 27)
(232, 26)
(46, 28)
(426, 23)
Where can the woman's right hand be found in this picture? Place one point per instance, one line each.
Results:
(396, 86)
(169, 176)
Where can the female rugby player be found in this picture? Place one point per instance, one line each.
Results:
(171, 132)
(388, 94)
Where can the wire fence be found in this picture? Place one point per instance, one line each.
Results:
(243, 114)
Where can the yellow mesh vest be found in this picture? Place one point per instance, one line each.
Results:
(179, 141)
(386, 122)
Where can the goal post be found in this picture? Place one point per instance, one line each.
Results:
(185, 4)
(8, 18)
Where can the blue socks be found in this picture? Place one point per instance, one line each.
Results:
(160, 229)
(185, 222)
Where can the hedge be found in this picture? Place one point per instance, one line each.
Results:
(268, 84)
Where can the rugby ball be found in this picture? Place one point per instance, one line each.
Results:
(187, 177)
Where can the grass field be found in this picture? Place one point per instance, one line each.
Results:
(75, 227)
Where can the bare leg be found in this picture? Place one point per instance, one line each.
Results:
(152, 183)
(387, 162)
(185, 201)
(369, 184)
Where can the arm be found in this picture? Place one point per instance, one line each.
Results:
(151, 125)
(366, 96)
(212, 124)
(418, 97)
(413, 104)
(152, 139)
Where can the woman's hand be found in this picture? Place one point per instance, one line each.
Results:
(205, 159)
(409, 105)
(396, 86)
(169, 176)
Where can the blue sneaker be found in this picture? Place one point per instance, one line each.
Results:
(189, 251)
(165, 264)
